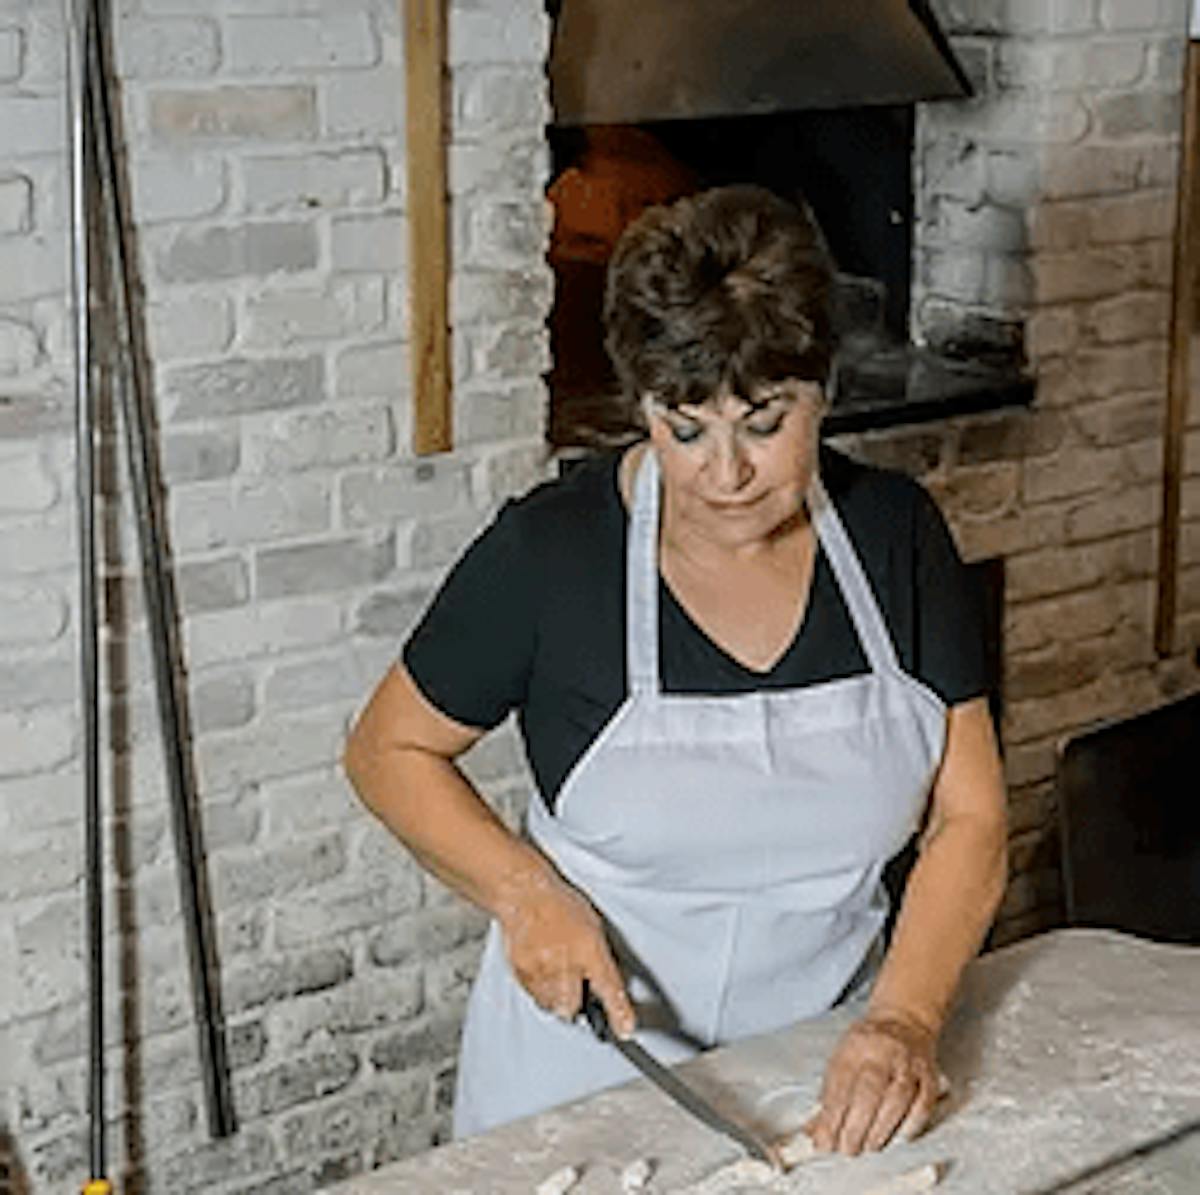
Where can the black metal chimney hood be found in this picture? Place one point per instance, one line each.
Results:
(635, 61)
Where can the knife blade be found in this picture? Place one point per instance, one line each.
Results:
(671, 1085)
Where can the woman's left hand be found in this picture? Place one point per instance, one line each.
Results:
(882, 1079)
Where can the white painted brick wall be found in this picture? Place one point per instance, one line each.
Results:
(267, 162)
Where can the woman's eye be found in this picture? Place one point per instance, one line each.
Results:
(685, 433)
(767, 427)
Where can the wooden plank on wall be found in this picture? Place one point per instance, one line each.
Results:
(428, 272)
(1183, 328)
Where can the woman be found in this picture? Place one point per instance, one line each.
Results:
(746, 672)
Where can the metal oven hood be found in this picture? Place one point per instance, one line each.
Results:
(634, 61)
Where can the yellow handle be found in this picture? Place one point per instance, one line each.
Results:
(97, 1186)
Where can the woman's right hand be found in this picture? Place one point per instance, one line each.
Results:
(555, 940)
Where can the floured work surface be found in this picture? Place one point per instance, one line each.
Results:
(1074, 1060)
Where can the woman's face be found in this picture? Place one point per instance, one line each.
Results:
(733, 472)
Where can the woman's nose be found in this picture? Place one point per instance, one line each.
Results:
(731, 467)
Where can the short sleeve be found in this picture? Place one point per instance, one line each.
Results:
(948, 628)
(472, 650)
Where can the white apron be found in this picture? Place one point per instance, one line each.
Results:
(733, 844)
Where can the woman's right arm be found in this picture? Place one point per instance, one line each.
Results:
(400, 757)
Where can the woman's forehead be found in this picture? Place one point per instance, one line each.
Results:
(726, 404)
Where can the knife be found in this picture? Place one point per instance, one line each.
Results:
(671, 1085)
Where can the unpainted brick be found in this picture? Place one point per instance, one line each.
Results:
(228, 635)
(338, 676)
(297, 805)
(427, 934)
(233, 114)
(1014, 436)
(222, 702)
(1145, 216)
(234, 387)
(240, 251)
(271, 870)
(297, 1081)
(978, 491)
(403, 490)
(435, 1041)
(277, 979)
(354, 1121)
(202, 1167)
(218, 584)
(339, 435)
(195, 454)
(1138, 114)
(374, 897)
(1070, 473)
(1122, 420)
(278, 748)
(1102, 518)
(217, 515)
(278, 317)
(322, 566)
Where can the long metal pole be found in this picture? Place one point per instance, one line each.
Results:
(78, 16)
(159, 593)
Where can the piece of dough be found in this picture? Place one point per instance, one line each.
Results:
(559, 1183)
(793, 1150)
(923, 1178)
(745, 1172)
(636, 1175)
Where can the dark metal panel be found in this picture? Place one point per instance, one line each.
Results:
(630, 61)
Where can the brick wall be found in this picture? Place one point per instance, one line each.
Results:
(1047, 204)
(266, 149)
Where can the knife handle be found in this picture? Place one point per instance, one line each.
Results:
(594, 1012)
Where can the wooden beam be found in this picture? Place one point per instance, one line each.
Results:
(1183, 321)
(428, 256)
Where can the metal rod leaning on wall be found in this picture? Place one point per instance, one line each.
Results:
(79, 15)
(1183, 317)
(158, 588)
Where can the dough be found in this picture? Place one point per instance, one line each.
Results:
(923, 1178)
(636, 1175)
(791, 1151)
(746, 1172)
(559, 1183)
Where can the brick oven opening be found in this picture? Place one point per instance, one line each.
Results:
(816, 131)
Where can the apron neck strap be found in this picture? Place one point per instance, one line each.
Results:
(852, 580)
(641, 580)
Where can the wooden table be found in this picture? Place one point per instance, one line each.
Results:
(1072, 1052)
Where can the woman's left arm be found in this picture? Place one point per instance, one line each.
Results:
(884, 1076)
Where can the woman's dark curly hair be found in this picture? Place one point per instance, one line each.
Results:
(730, 287)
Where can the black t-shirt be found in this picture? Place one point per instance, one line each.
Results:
(532, 617)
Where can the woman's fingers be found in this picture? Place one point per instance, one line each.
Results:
(880, 1082)
(605, 979)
